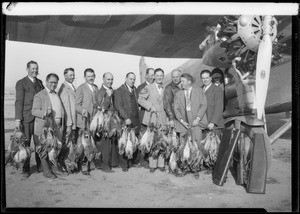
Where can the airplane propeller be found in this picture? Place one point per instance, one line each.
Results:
(264, 57)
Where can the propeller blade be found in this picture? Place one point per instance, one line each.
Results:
(263, 66)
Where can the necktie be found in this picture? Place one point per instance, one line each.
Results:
(188, 100)
(73, 87)
(160, 86)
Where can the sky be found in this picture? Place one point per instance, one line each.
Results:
(54, 59)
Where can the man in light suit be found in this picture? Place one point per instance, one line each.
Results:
(151, 98)
(149, 79)
(215, 103)
(107, 146)
(190, 109)
(86, 103)
(26, 88)
(67, 94)
(47, 103)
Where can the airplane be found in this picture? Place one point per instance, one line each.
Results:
(227, 46)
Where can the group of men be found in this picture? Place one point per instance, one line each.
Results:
(180, 104)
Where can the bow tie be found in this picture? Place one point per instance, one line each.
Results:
(52, 92)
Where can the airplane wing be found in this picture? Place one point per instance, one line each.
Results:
(164, 36)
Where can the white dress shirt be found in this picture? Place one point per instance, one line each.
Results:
(206, 87)
(160, 90)
(56, 104)
(187, 94)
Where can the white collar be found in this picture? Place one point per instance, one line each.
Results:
(157, 85)
(32, 80)
(147, 82)
(91, 87)
(206, 87)
(70, 84)
(189, 89)
(104, 86)
(129, 88)
(47, 89)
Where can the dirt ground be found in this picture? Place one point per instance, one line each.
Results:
(138, 188)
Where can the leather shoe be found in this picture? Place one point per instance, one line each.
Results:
(152, 170)
(60, 173)
(162, 169)
(50, 175)
(24, 175)
(124, 169)
(85, 172)
(108, 171)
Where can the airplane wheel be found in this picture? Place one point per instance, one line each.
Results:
(246, 146)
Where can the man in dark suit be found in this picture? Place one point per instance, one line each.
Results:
(47, 103)
(126, 105)
(215, 103)
(26, 88)
(169, 94)
(108, 146)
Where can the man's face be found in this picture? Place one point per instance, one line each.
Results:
(150, 76)
(70, 76)
(33, 70)
(185, 83)
(206, 79)
(51, 84)
(108, 80)
(130, 80)
(159, 77)
(176, 77)
(90, 77)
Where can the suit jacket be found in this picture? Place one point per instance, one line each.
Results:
(198, 108)
(123, 104)
(41, 103)
(25, 92)
(149, 97)
(104, 101)
(215, 105)
(68, 98)
(169, 94)
(142, 109)
(85, 99)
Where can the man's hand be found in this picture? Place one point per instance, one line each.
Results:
(84, 113)
(69, 129)
(109, 92)
(48, 112)
(18, 124)
(210, 126)
(58, 121)
(128, 122)
(196, 122)
(152, 109)
(172, 123)
(185, 124)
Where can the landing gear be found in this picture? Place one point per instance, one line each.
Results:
(245, 150)
(252, 158)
